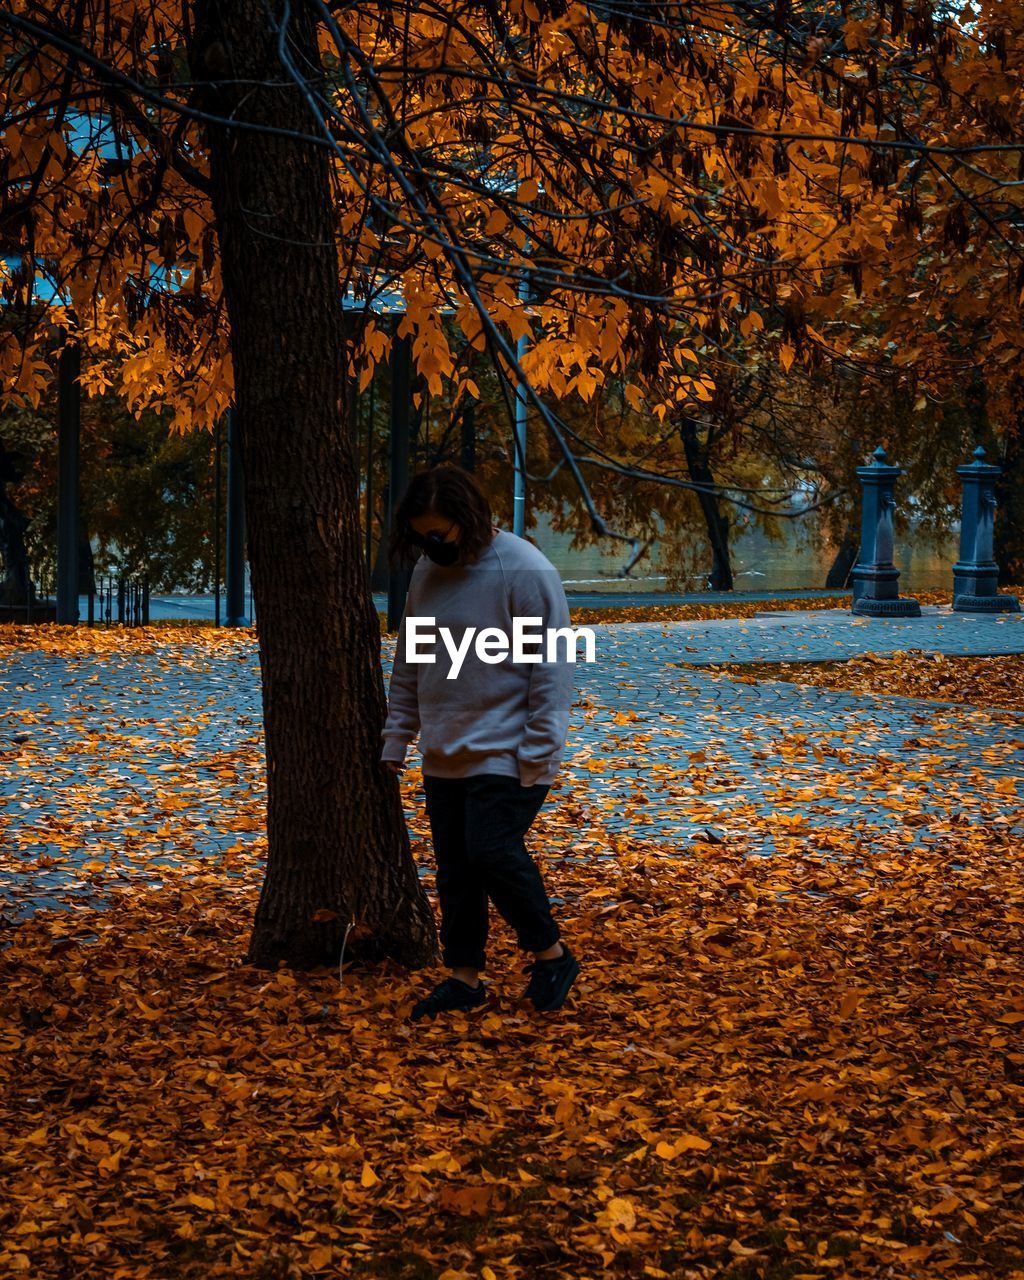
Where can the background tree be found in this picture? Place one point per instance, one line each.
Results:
(147, 495)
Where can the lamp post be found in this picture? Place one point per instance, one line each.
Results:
(389, 301)
(506, 186)
(519, 442)
(398, 465)
(69, 413)
(235, 540)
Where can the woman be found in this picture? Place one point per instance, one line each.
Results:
(491, 738)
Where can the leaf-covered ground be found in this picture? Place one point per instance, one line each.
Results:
(726, 608)
(989, 681)
(802, 1065)
(771, 1068)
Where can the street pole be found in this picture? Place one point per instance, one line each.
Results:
(216, 525)
(69, 417)
(235, 567)
(519, 475)
(369, 478)
(398, 472)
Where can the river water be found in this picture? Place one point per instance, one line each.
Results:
(759, 563)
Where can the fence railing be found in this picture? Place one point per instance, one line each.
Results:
(121, 599)
(115, 598)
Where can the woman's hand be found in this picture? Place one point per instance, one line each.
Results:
(394, 766)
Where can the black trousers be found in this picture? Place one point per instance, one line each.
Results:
(477, 825)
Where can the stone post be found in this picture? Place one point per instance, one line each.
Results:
(976, 573)
(875, 577)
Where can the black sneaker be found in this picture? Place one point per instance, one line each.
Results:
(550, 980)
(452, 993)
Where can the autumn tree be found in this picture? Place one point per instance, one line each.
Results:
(147, 495)
(930, 309)
(201, 184)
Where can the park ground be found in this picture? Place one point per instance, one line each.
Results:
(787, 850)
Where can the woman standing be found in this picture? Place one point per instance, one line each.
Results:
(491, 738)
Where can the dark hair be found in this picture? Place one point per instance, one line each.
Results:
(450, 492)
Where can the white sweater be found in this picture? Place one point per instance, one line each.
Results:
(507, 717)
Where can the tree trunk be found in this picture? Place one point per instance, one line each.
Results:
(699, 469)
(338, 851)
(1009, 525)
(467, 435)
(380, 572)
(845, 559)
(16, 583)
(86, 563)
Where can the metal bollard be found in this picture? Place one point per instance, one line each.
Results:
(875, 577)
(976, 573)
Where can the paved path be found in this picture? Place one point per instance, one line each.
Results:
(124, 753)
(137, 755)
(665, 751)
(830, 634)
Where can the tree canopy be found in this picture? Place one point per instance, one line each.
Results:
(683, 187)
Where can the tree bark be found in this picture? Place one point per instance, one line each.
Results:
(467, 435)
(845, 559)
(16, 584)
(338, 852)
(1009, 525)
(379, 574)
(86, 563)
(699, 469)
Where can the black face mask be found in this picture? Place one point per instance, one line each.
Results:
(435, 548)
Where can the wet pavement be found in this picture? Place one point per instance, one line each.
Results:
(127, 757)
